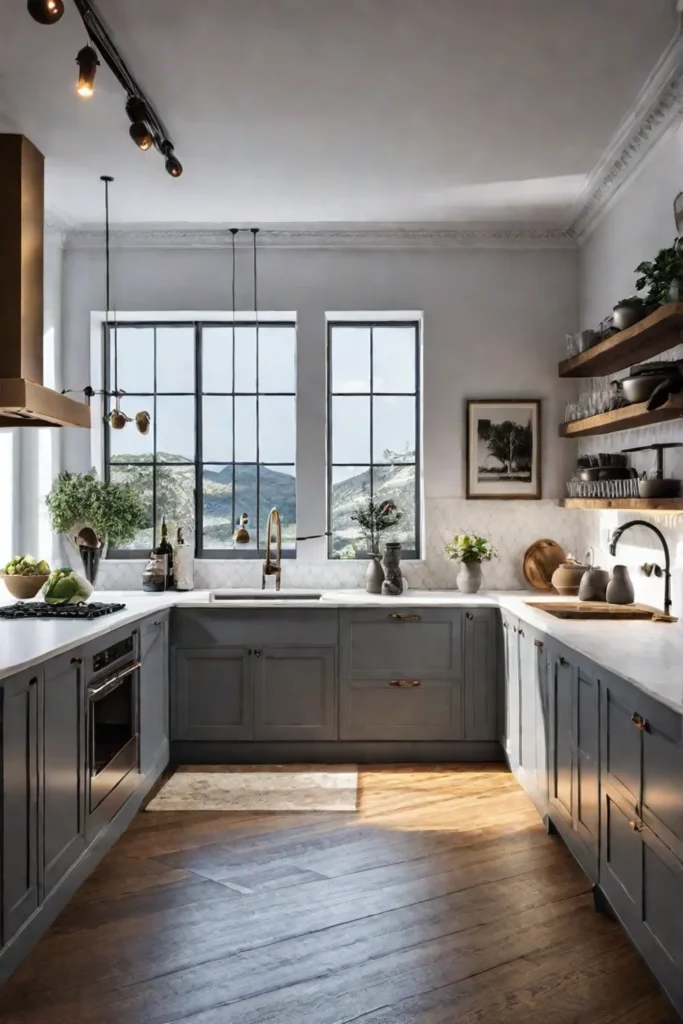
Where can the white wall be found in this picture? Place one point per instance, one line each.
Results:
(493, 324)
(639, 224)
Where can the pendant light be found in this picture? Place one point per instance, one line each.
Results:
(88, 64)
(45, 12)
(241, 536)
(139, 131)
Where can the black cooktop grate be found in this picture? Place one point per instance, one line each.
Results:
(38, 610)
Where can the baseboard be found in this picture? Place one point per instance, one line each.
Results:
(21, 944)
(334, 752)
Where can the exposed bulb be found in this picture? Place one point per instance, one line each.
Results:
(139, 132)
(174, 166)
(87, 69)
(45, 12)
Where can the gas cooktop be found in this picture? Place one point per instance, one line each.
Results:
(38, 610)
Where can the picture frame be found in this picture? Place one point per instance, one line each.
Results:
(503, 455)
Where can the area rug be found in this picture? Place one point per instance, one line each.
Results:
(259, 788)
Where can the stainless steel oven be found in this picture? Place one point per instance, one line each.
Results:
(113, 718)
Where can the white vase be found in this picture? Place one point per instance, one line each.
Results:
(469, 578)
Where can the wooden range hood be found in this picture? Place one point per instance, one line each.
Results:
(24, 401)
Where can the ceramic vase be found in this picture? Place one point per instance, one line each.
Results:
(391, 564)
(620, 587)
(469, 578)
(374, 575)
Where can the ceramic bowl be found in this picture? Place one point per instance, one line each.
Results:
(24, 587)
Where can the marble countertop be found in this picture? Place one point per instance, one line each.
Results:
(649, 655)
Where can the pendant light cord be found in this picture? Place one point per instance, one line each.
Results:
(107, 179)
(254, 232)
(233, 232)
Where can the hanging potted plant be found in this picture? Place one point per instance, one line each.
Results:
(470, 551)
(374, 519)
(93, 516)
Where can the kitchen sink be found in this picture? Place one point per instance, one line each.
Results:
(599, 610)
(265, 595)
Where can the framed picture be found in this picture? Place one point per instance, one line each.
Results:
(504, 448)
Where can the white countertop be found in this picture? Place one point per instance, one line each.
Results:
(649, 655)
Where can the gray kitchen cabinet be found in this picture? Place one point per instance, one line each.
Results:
(512, 689)
(419, 643)
(573, 754)
(400, 709)
(481, 681)
(19, 762)
(154, 692)
(295, 693)
(532, 770)
(62, 767)
(213, 694)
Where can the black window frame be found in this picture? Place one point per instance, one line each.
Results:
(407, 554)
(198, 465)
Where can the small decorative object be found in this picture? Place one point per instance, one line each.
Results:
(593, 585)
(662, 276)
(374, 575)
(620, 588)
(112, 513)
(183, 562)
(241, 536)
(165, 550)
(66, 587)
(374, 519)
(504, 448)
(24, 576)
(470, 551)
(628, 312)
(142, 422)
(540, 562)
(391, 564)
(154, 575)
(567, 577)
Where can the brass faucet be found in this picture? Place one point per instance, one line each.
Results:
(272, 567)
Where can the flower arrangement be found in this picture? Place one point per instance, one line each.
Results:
(469, 548)
(375, 518)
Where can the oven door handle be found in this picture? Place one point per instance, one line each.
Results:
(109, 684)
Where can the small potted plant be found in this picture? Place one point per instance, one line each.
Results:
(94, 515)
(628, 312)
(662, 276)
(374, 519)
(470, 551)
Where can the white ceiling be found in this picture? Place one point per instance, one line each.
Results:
(335, 110)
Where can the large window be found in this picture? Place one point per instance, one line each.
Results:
(374, 431)
(223, 434)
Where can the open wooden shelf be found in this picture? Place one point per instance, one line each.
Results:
(643, 504)
(628, 418)
(658, 332)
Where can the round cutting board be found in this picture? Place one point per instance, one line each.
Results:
(540, 562)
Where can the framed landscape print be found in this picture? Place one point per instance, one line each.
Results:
(504, 448)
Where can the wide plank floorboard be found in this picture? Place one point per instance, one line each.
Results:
(441, 900)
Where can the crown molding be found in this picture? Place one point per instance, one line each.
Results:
(657, 110)
(351, 236)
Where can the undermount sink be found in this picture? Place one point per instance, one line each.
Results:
(598, 610)
(265, 595)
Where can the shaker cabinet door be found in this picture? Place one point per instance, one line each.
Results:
(482, 691)
(154, 692)
(295, 693)
(213, 694)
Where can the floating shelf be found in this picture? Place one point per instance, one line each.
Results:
(628, 418)
(655, 334)
(644, 504)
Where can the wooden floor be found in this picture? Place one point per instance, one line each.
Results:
(442, 900)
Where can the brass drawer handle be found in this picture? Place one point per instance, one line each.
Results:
(521, 631)
(639, 721)
(405, 684)
(637, 826)
(77, 661)
(563, 661)
(538, 643)
(469, 616)
(257, 654)
(398, 617)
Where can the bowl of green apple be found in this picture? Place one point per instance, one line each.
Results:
(24, 576)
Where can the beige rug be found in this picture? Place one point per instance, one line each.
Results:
(259, 788)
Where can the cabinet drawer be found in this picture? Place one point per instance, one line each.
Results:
(384, 709)
(408, 643)
(255, 627)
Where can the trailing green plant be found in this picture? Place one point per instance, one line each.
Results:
(114, 511)
(374, 518)
(467, 547)
(662, 276)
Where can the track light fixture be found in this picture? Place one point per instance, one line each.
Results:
(45, 12)
(146, 129)
(87, 69)
(139, 132)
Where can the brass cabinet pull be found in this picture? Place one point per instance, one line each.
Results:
(538, 643)
(638, 721)
(469, 616)
(33, 682)
(637, 826)
(521, 631)
(257, 654)
(405, 684)
(563, 661)
(505, 625)
(77, 661)
(158, 622)
(514, 629)
(398, 617)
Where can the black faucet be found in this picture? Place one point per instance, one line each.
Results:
(616, 536)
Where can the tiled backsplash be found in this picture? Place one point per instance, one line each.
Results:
(510, 525)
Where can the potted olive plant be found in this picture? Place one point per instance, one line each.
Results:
(374, 519)
(470, 551)
(93, 515)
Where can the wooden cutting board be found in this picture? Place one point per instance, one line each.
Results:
(540, 562)
(601, 610)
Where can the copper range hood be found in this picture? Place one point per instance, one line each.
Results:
(24, 401)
